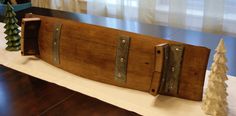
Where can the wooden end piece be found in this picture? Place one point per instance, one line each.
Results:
(158, 67)
(29, 36)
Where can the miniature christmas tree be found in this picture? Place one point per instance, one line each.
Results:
(12, 31)
(215, 101)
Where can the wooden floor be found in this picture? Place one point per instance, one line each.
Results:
(24, 95)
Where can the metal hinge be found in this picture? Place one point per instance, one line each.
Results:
(173, 55)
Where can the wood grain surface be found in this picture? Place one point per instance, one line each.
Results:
(24, 95)
(90, 50)
(187, 36)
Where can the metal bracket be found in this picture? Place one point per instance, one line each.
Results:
(122, 52)
(56, 44)
(171, 69)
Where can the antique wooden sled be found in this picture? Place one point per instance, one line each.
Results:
(117, 57)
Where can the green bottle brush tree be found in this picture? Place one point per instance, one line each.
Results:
(12, 31)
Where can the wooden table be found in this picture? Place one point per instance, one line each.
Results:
(24, 95)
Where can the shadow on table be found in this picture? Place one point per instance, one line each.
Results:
(170, 103)
(30, 59)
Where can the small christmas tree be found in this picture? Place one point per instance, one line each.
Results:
(12, 31)
(215, 101)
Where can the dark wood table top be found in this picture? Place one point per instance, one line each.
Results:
(170, 33)
(24, 95)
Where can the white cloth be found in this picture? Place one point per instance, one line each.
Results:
(133, 100)
(217, 16)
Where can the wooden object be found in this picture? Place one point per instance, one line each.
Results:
(30, 29)
(159, 62)
(90, 51)
(25, 95)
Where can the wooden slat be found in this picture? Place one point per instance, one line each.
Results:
(89, 51)
(159, 61)
(193, 73)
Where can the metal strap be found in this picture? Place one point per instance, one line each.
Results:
(122, 53)
(172, 67)
(56, 44)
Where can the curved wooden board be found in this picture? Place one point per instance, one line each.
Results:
(90, 50)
